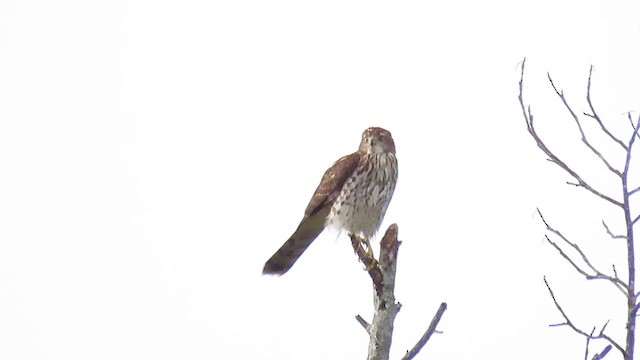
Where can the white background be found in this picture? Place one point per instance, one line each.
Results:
(154, 154)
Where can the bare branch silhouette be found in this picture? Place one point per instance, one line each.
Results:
(610, 233)
(526, 112)
(569, 323)
(430, 331)
(584, 137)
(595, 116)
(571, 251)
(597, 274)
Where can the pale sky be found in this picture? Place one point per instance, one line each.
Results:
(154, 154)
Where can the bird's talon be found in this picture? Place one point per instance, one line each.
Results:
(368, 249)
(371, 264)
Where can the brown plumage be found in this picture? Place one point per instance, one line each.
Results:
(353, 195)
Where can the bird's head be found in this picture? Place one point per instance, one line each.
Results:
(377, 140)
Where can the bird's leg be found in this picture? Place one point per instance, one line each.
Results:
(369, 250)
(370, 254)
(364, 246)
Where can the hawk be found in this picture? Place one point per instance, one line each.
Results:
(353, 196)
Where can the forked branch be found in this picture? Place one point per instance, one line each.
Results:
(592, 273)
(569, 323)
(595, 116)
(577, 121)
(383, 275)
(610, 233)
(528, 116)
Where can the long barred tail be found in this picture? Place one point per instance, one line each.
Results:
(292, 249)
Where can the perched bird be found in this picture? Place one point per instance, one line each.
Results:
(353, 195)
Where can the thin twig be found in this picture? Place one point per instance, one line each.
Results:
(586, 347)
(568, 322)
(566, 257)
(604, 326)
(595, 116)
(598, 274)
(610, 233)
(423, 340)
(363, 322)
(635, 127)
(584, 137)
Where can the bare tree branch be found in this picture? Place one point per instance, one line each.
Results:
(585, 267)
(635, 127)
(602, 354)
(363, 322)
(577, 120)
(423, 340)
(566, 257)
(569, 323)
(598, 274)
(596, 117)
(526, 112)
(586, 347)
(611, 234)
